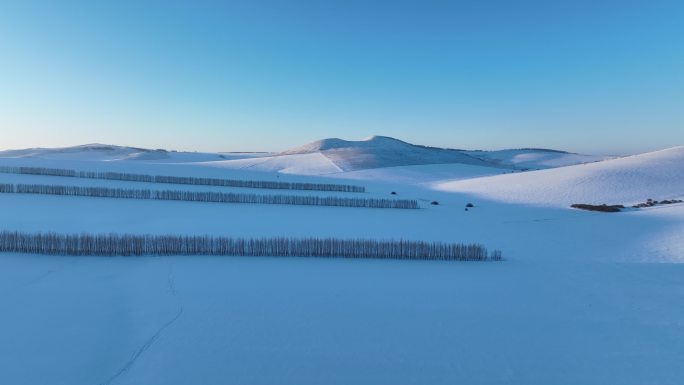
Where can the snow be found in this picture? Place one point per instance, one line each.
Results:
(302, 164)
(657, 175)
(105, 152)
(326, 156)
(382, 151)
(264, 320)
(421, 174)
(535, 158)
(581, 298)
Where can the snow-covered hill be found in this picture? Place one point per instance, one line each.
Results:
(333, 156)
(382, 151)
(105, 152)
(657, 175)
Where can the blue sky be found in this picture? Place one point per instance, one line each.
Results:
(588, 76)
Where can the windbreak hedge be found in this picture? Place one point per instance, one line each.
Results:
(137, 245)
(208, 196)
(260, 184)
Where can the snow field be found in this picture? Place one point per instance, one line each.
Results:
(582, 297)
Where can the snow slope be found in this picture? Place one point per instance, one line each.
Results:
(301, 164)
(421, 174)
(534, 159)
(658, 175)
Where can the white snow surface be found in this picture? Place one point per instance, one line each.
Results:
(657, 175)
(302, 164)
(535, 158)
(582, 297)
(423, 174)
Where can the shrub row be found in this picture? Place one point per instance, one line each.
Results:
(136, 245)
(199, 196)
(261, 184)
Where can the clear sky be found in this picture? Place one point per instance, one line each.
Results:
(591, 76)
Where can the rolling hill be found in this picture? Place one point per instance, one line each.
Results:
(382, 151)
(657, 175)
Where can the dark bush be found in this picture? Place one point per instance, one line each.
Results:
(434, 203)
(470, 205)
(651, 203)
(602, 208)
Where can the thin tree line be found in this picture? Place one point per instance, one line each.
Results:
(207, 196)
(259, 184)
(136, 245)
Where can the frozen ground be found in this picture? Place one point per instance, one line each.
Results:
(582, 298)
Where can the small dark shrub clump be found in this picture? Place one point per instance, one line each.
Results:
(434, 203)
(602, 208)
(651, 203)
(470, 205)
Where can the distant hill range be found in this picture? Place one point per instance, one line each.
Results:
(324, 156)
(383, 151)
